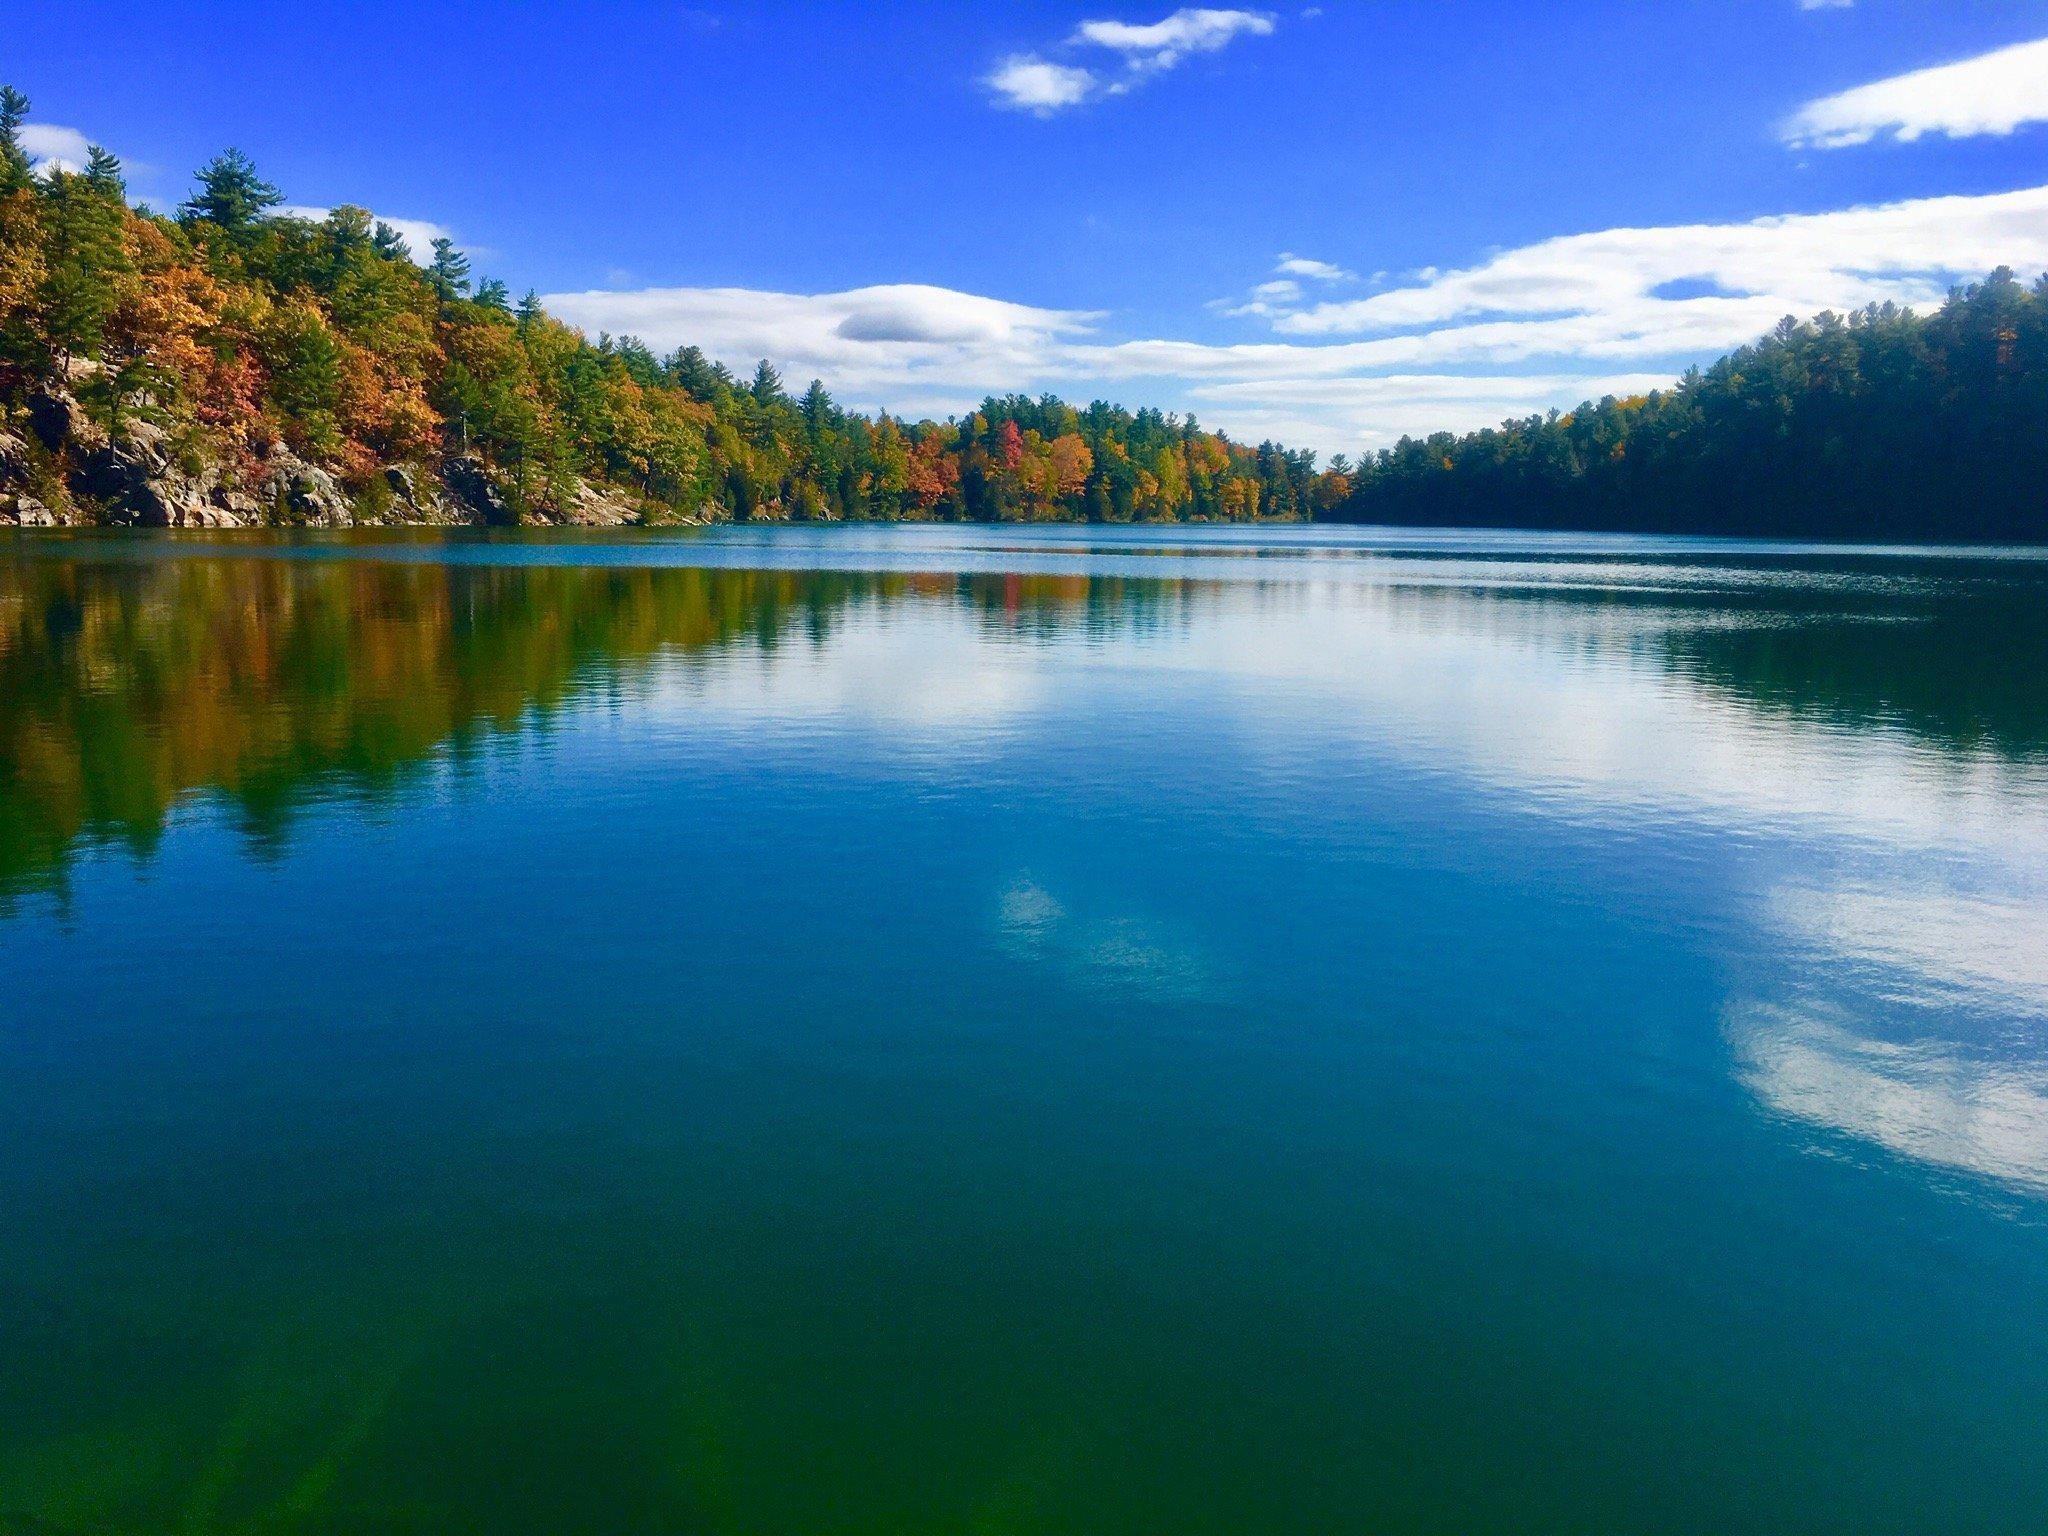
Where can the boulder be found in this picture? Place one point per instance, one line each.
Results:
(237, 508)
(416, 499)
(133, 476)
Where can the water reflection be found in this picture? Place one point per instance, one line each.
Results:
(984, 1003)
(126, 684)
(1846, 702)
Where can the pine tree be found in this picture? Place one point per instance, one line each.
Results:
(83, 262)
(767, 385)
(448, 273)
(493, 294)
(817, 410)
(390, 244)
(230, 196)
(103, 173)
(14, 168)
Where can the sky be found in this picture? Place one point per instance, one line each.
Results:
(1330, 224)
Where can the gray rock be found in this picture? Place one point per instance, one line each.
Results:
(132, 475)
(13, 459)
(237, 509)
(27, 512)
(594, 508)
(305, 493)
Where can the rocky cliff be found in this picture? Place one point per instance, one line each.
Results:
(59, 467)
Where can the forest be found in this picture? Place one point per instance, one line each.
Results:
(1884, 424)
(231, 364)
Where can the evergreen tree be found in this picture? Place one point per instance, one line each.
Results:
(817, 411)
(448, 272)
(230, 195)
(14, 167)
(493, 294)
(767, 385)
(389, 243)
(84, 262)
(103, 173)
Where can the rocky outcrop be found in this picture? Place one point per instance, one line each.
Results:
(591, 507)
(416, 499)
(133, 476)
(302, 493)
(471, 482)
(24, 511)
(19, 508)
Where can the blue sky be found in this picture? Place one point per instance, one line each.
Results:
(1331, 224)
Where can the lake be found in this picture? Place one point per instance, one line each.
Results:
(983, 1030)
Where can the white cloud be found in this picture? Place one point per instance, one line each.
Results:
(418, 234)
(50, 146)
(1540, 326)
(1160, 45)
(1291, 265)
(1994, 93)
(1383, 408)
(1031, 83)
(870, 342)
(1610, 293)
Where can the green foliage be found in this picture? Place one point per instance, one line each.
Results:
(85, 261)
(14, 168)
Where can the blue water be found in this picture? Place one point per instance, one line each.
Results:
(1025, 1031)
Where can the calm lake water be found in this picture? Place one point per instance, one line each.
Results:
(995, 1031)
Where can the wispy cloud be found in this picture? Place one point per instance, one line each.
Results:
(1547, 324)
(1994, 93)
(1283, 293)
(1292, 265)
(1030, 82)
(1161, 45)
(1651, 291)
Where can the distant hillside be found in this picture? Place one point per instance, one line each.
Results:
(1883, 425)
